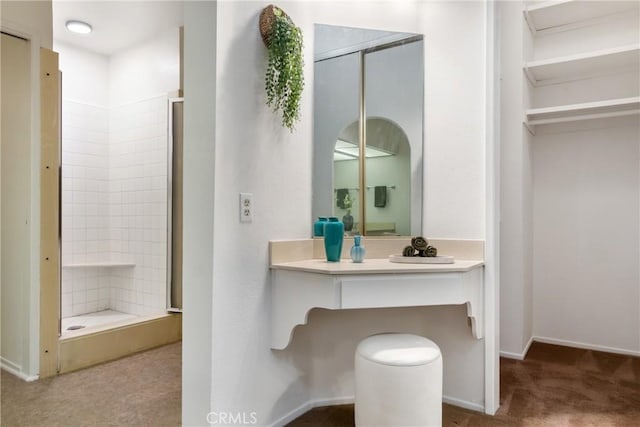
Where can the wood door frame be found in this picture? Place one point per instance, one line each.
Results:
(49, 212)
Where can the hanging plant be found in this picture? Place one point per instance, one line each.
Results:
(284, 79)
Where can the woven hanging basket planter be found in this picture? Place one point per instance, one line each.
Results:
(284, 76)
(267, 17)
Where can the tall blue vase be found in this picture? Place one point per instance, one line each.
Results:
(318, 227)
(333, 238)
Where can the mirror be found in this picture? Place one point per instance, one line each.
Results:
(368, 129)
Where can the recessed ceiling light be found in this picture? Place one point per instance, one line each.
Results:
(346, 150)
(78, 27)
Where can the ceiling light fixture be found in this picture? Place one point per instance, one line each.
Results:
(78, 27)
(346, 150)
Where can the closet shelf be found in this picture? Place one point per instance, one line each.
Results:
(589, 64)
(584, 111)
(556, 13)
(98, 265)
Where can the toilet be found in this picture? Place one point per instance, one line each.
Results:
(398, 381)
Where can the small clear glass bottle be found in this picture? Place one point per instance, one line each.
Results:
(357, 250)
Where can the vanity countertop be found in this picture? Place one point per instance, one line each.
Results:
(374, 266)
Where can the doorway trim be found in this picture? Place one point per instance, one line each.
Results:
(49, 213)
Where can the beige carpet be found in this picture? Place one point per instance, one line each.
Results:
(554, 387)
(140, 390)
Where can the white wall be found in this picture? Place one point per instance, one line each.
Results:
(586, 241)
(85, 75)
(198, 209)
(146, 70)
(31, 20)
(455, 119)
(254, 154)
(586, 200)
(516, 191)
(30, 17)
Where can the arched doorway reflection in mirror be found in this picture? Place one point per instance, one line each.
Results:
(388, 178)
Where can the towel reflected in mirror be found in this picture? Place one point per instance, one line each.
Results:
(380, 196)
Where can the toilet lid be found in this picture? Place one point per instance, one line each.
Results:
(399, 349)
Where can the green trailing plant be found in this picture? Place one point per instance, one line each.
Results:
(284, 78)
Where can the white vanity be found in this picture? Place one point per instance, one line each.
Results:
(302, 280)
(299, 286)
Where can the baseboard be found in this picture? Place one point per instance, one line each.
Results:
(463, 404)
(586, 346)
(16, 370)
(518, 356)
(350, 399)
(345, 400)
(305, 407)
(292, 415)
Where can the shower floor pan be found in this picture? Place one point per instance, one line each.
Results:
(75, 324)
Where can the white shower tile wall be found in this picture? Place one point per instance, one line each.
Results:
(138, 201)
(85, 290)
(114, 169)
(85, 210)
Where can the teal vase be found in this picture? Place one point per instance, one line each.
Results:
(318, 227)
(333, 238)
(357, 250)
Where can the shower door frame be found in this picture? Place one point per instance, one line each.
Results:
(171, 140)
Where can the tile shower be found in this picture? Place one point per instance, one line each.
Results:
(114, 208)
